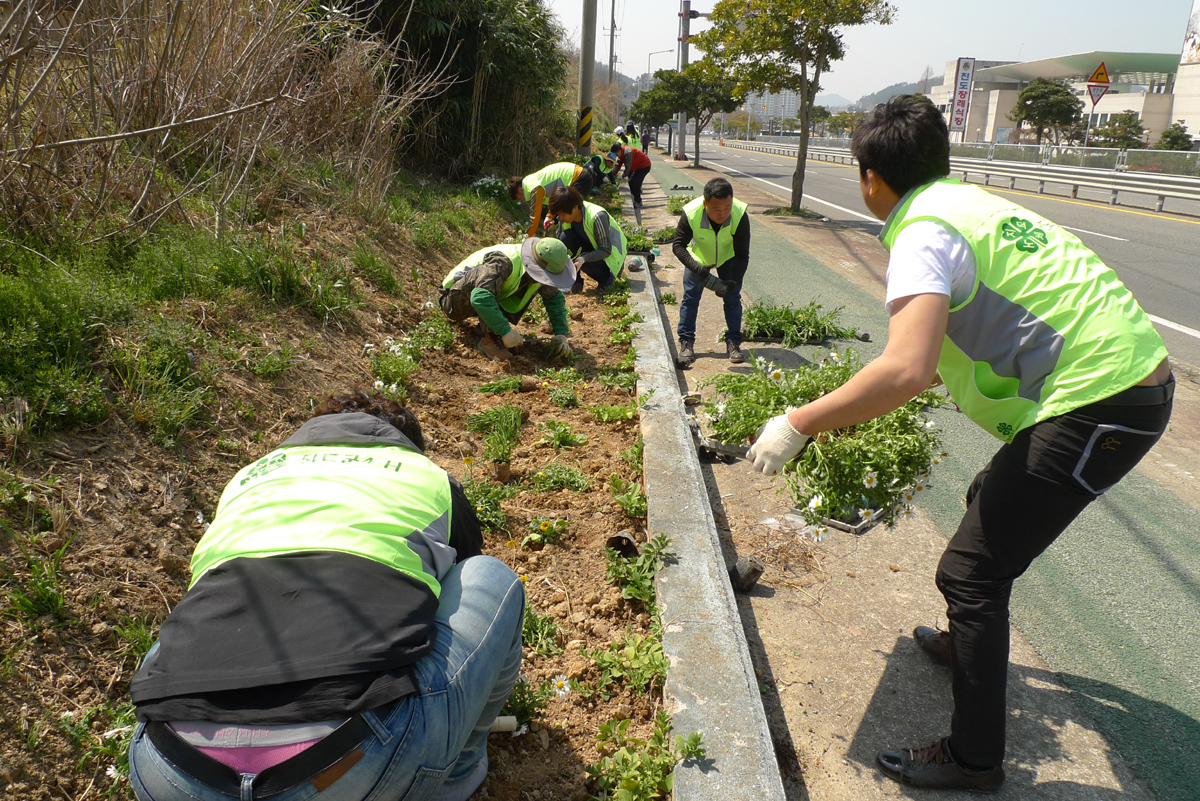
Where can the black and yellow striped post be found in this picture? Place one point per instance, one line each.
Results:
(585, 129)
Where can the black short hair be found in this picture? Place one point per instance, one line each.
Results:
(516, 185)
(905, 141)
(719, 188)
(376, 405)
(565, 199)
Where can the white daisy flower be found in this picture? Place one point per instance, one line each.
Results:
(834, 357)
(429, 304)
(112, 772)
(908, 496)
(820, 533)
(864, 513)
(936, 460)
(870, 480)
(522, 729)
(378, 384)
(562, 685)
(816, 501)
(907, 511)
(776, 375)
(929, 424)
(919, 488)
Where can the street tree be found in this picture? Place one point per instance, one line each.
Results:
(819, 115)
(1046, 105)
(701, 91)
(773, 45)
(1122, 130)
(1175, 137)
(651, 109)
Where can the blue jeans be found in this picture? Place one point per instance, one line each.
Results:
(693, 288)
(432, 740)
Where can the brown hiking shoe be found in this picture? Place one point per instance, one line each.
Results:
(489, 347)
(934, 767)
(935, 643)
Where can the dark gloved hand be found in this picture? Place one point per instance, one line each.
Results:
(721, 288)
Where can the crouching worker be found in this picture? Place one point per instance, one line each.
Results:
(591, 236)
(497, 283)
(341, 633)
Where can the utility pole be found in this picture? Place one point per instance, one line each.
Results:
(612, 40)
(587, 76)
(685, 18)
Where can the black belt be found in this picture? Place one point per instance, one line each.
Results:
(324, 757)
(1142, 396)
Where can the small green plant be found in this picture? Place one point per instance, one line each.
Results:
(617, 293)
(500, 428)
(794, 326)
(635, 662)
(544, 531)
(38, 592)
(676, 203)
(622, 336)
(102, 734)
(557, 476)
(640, 770)
(366, 260)
(137, 635)
(636, 236)
(628, 495)
(667, 299)
(633, 456)
(611, 413)
(635, 576)
(510, 383)
(560, 435)
(629, 361)
(561, 375)
(563, 396)
(617, 379)
(664, 234)
(400, 358)
(527, 701)
(539, 633)
(485, 498)
(270, 363)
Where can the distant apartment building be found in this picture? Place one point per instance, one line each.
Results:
(783, 105)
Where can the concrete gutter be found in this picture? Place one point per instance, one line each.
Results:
(711, 685)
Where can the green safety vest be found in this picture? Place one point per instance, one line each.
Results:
(1048, 327)
(616, 237)
(551, 178)
(509, 300)
(361, 500)
(707, 248)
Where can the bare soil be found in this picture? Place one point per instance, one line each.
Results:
(132, 513)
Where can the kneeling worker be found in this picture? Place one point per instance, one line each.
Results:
(712, 241)
(342, 631)
(497, 283)
(590, 234)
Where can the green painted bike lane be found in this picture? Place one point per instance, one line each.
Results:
(1113, 606)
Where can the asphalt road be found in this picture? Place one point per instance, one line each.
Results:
(1157, 255)
(1114, 605)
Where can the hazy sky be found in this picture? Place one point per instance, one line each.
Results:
(923, 33)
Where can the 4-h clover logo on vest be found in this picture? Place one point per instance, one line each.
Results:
(1028, 238)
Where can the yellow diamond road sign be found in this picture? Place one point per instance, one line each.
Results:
(1100, 75)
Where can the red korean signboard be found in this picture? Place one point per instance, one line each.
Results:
(960, 94)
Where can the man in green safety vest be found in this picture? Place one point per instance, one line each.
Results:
(591, 236)
(497, 283)
(1040, 344)
(712, 240)
(536, 188)
(323, 642)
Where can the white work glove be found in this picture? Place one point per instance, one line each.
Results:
(512, 338)
(777, 444)
(558, 346)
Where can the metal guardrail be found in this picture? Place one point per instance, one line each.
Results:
(1116, 179)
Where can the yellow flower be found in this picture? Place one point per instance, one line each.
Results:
(545, 525)
(468, 460)
(511, 543)
(524, 579)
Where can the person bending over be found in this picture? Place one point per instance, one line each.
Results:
(342, 632)
(1042, 346)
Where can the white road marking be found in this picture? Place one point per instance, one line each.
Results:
(1183, 329)
(1094, 233)
(806, 197)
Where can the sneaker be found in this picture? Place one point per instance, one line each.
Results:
(935, 643)
(736, 355)
(687, 354)
(934, 767)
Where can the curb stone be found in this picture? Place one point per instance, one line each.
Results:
(711, 685)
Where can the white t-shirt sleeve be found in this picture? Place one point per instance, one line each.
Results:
(928, 258)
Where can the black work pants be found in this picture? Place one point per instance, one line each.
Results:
(1016, 507)
(635, 183)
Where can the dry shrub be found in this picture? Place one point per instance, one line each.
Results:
(112, 113)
